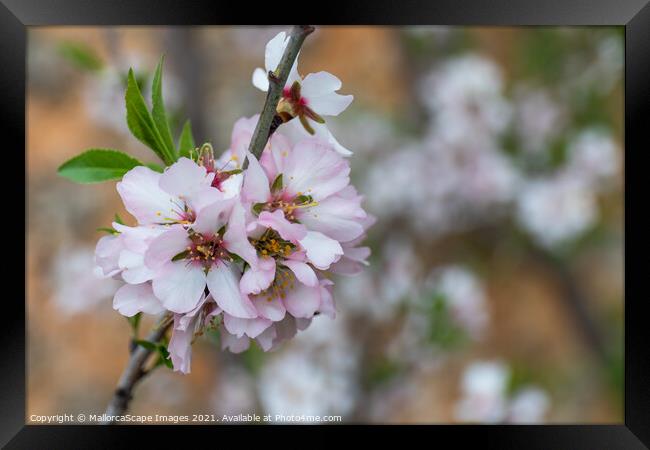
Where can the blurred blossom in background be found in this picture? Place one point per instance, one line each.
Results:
(492, 160)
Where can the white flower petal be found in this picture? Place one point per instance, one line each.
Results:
(303, 272)
(214, 216)
(258, 278)
(235, 239)
(256, 183)
(321, 250)
(249, 327)
(131, 299)
(302, 301)
(319, 83)
(271, 309)
(330, 104)
(179, 286)
(313, 168)
(233, 343)
(260, 79)
(274, 50)
(184, 178)
(163, 248)
(223, 283)
(143, 197)
(133, 269)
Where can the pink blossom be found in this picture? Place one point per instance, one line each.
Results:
(252, 248)
(315, 188)
(186, 259)
(307, 99)
(186, 327)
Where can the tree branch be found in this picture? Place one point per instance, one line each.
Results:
(277, 80)
(133, 372)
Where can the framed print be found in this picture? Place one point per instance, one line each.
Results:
(403, 218)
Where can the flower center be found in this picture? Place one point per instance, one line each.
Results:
(271, 244)
(182, 211)
(206, 159)
(284, 281)
(204, 250)
(293, 104)
(289, 206)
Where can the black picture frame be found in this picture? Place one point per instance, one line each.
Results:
(634, 15)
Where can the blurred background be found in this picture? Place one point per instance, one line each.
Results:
(492, 158)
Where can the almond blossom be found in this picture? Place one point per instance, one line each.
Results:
(186, 260)
(307, 98)
(248, 251)
(247, 248)
(283, 192)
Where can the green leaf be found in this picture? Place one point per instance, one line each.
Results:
(186, 141)
(134, 321)
(154, 166)
(277, 184)
(164, 356)
(81, 55)
(96, 165)
(257, 208)
(304, 199)
(236, 258)
(146, 344)
(181, 255)
(141, 123)
(158, 109)
(107, 230)
(118, 219)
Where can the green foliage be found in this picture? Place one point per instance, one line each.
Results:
(155, 167)
(277, 184)
(543, 52)
(181, 255)
(146, 344)
(134, 321)
(81, 55)
(160, 348)
(615, 371)
(257, 208)
(301, 199)
(253, 359)
(591, 108)
(97, 165)
(149, 127)
(186, 141)
(107, 230)
(142, 124)
(442, 330)
(164, 356)
(380, 372)
(158, 108)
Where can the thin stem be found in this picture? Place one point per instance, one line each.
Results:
(277, 81)
(134, 371)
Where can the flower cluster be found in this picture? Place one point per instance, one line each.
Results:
(245, 248)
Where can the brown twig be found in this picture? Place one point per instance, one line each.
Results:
(277, 80)
(134, 372)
